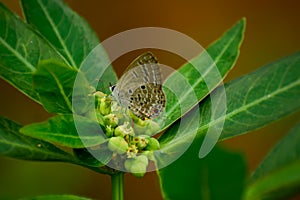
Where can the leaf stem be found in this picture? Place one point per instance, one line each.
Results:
(117, 182)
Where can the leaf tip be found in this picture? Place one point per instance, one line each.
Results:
(242, 22)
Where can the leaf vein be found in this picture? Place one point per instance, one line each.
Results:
(61, 90)
(59, 37)
(18, 55)
(247, 106)
(205, 73)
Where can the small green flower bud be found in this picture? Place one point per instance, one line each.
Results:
(111, 120)
(137, 166)
(139, 175)
(119, 132)
(124, 129)
(138, 170)
(149, 155)
(153, 144)
(109, 131)
(118, 145)
(128, 164)
(138, 160)
(105, 106)
(142, 159)
(141, 141)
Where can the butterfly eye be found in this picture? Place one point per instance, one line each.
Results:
(112, 88)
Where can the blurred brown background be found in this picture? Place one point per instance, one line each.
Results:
(272, 32)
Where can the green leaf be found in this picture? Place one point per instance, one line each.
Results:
(220, 175)
(98, 71)
(54, 83)
(13, 144)
(197, 78)
(69, 33)
(60, 197)
(264, 96)
(16, 145)
(67, 130)
(278, 177)
(101, 155)
(21, 49)
(254, 100)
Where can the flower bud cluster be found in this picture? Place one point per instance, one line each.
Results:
(129, 137)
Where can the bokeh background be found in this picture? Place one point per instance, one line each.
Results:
(272, 32)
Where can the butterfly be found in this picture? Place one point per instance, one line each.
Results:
(140, 88)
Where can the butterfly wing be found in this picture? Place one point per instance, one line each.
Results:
(144, 69)
(147, 101)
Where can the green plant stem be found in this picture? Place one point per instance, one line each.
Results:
(117, 182)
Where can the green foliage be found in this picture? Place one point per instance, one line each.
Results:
(15, 145)
(69, 34)
(54, 84)
(220, 175)
(62, 130)
(259, 98)
(278, 175)
(101, 151)
(253, 101)
(209, 67)
(21, 49)
(42, 58)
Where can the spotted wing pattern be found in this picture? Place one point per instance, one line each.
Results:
(140, 88)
